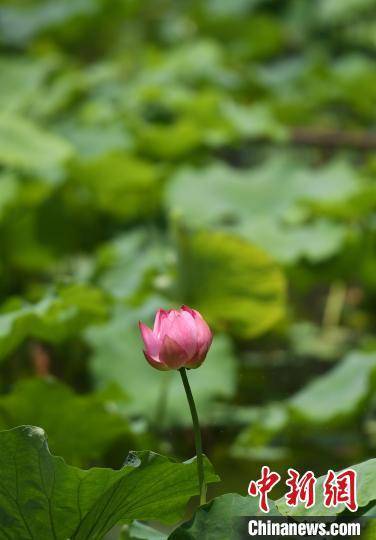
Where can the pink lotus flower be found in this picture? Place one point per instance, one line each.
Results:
(180, 338)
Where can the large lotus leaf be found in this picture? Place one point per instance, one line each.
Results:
(192, 62)
(336, 11)
(22, 82)
(222, 276)
(348, 74)
(205, 118)
(140, 531)
(267, 205)
(232, 282)
(94, 139)
(325, 342)
(287, 243)
(117, 357)
(333, 398)
(254, 122)
(21, 23)
(43, 497)
(172, 141)
(119, 185)
(124, 264)
(216, 520)
(22, 248)
(267, 422)
(337, 395)
(54, 318)
(274, 188)
(220, 194)
(25, 146)
(89, 419)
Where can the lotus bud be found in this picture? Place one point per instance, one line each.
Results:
(180, 338)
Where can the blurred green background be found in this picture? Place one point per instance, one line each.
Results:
(215, 153)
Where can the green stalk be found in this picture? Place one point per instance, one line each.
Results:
(197, 432)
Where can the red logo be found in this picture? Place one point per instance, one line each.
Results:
(337, 488)
(340, 488)
(301, 489)
(263, 486)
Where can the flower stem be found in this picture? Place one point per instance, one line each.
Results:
(197, 432)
